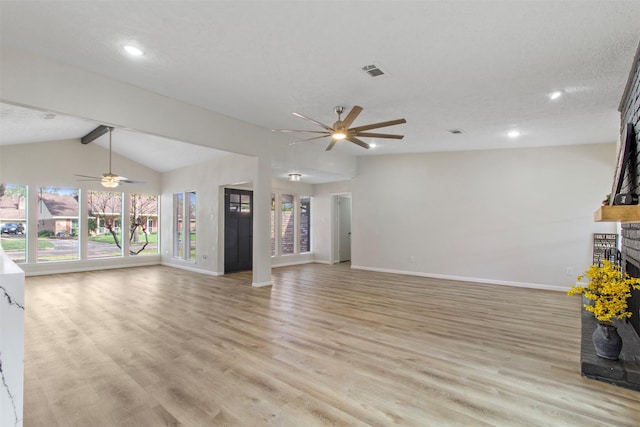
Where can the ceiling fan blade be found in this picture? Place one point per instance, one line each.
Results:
(310, 139)
(358, 142)
(129, 181)
(331, 144)
(89, 179)
(297, 130)
(379, 135)
(355, 111)
(322, 125)
(377, 125)
(87, 176)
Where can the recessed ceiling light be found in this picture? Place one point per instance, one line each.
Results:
(132, 50)
(373, 145)
(555, 95)
(456, 131)
(513, 134)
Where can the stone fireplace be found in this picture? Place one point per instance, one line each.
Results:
(626, 371)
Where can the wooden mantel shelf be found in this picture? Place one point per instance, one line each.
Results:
(622, 213)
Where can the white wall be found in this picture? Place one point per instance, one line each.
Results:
(520, 216)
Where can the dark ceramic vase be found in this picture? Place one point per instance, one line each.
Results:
(607, 342)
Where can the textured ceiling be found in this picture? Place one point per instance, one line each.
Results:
(483, 67)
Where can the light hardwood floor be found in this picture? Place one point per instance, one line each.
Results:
(326, 345)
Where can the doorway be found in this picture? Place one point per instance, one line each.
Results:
(238, 230)
(342, 241)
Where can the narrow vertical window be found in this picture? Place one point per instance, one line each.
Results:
(57, 225)
(305, 224)
(178, 229)
(190, 236)
(143, 224)
(13, 221)
(273, 224)
(104, 210)
(287, 224)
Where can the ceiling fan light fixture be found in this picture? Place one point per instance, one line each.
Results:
(339, 135)
(294, 177)
(109, 181)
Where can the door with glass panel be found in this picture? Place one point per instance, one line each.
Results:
(238, 230)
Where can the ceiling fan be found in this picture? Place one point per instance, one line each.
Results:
(341, 130)
(109, 179)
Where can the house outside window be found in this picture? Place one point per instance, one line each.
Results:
(13, 221)
(58, 212)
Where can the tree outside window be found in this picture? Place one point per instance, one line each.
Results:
(104, 210)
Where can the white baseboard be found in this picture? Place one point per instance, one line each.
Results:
(44, 268)
(465, 279)
(259, 285)
(192, 269)
(286, 260)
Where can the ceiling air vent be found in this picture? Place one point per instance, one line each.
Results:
(372, 70)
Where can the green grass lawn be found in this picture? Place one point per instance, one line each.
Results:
(9, 244)
(108, 238)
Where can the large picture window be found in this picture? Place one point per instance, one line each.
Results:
(143, 224)
(104, 210)
(58, 228)
(13, 221)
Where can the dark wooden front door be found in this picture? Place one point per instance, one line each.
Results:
(238, 230)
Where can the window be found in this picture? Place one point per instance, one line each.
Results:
(291, 216)
(58, 213)
(104, 210)
(185, 234)
(178, 208)
(143, 224)
(305, 224)
(273, 224)
(13, 221)
(190, 243)
(287, 224)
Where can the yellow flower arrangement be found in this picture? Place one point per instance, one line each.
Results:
(609, 290)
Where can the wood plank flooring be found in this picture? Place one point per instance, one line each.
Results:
(325, 345)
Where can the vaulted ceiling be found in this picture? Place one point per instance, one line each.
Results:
(485, 68)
